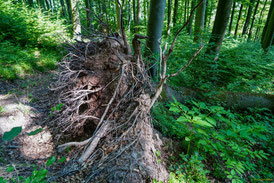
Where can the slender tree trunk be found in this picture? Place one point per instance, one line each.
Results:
(267, 39)
(88, 14)
(75, 20)
(129, 15)
(118, 16)
(189, 26)
(145, 11)
(238, 21)
(185, 14)
(231, 18)
(62, 3)
(138, 16)
(260, 21)
(268, 19)
(134, 11)
(175, 12)
(69, 10)
(253, 20)
(155, 27)
(206, 13)
(169, 16)
(220, 25)
(247, 20)
(199, 21)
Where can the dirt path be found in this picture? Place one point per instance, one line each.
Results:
(24, 103)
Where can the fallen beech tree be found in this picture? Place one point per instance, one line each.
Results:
(107, 94)
(240, 100)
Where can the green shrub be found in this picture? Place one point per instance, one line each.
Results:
(233, 145)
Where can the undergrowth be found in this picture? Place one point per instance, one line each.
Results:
(28, 40)
(219, 143)
(242, 66)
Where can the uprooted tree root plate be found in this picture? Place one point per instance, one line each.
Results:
(106, 93)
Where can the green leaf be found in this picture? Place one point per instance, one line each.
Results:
(10, 169)
(211, 121)
(199, 121)
(62, 160)
(182, 119)
(174, 109)
(202, 132)
(187, 139)
(59, 107)
(51, 161)
(12, 133)
(35, 132)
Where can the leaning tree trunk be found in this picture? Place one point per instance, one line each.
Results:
(267, 21)
(269, 32)
(247, 20)
(231, 18)
(169, 4)
(253, 20)
(238, 21)
(260, 20)
(219, 28)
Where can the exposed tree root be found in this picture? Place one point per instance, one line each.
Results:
(106, 93)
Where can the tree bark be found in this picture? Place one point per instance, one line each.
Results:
(269, 30)
(189, 26)
(154, 29)
(231, 18)
(75, 20)
(247, 20)
(175, 12)
(268, 18)
(219, 28)
(69, 10)
(199, 21)
(253, 20)
(169, 16)
(260, 21)
(238, 21)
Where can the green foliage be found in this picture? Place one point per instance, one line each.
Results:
(236, 146)
(25, 26)
(189, 169)
(28, 40)
(35, 132)
(12, 133)
(242, 66)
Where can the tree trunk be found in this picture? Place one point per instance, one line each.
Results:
(185, 14)
(175, 12)
(118, 16)
(75, 20)
(199, 21)
(260, 21)
(253, 20)
(154, 29)
(219, 28)
(231, 18)
(64, 12)
(247, 20)
(138, 16)
(238, 21)
(267, 20)
(88, 13)
(269, 30)
(69, 10)
(206, 13)
(189, 26)
(169, 4)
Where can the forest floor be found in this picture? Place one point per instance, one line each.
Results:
(25, 103)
